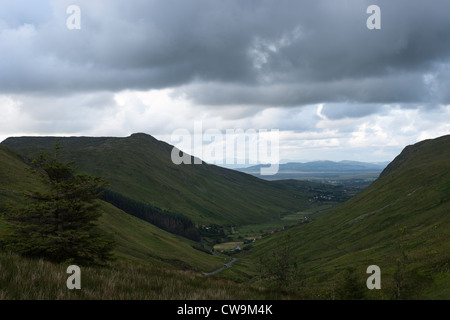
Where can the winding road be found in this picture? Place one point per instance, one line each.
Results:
(227, 265)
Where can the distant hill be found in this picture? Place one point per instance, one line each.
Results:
(140, 168)
(405, 212)
(325, 166)
(322, 171)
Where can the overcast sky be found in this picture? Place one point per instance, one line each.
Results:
(333, 88)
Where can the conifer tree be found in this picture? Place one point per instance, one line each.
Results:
(58, 223)
(351, 287)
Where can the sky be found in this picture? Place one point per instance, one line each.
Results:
(311, 74)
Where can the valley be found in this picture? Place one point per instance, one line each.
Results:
(201, 151)
(322, 230)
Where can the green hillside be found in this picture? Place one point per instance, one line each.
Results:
(404, 212)
(401, 221)
(140, 167)
(150, 264)
(137, 240)
(14, 180)
(14, 176)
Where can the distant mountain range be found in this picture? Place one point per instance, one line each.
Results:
(320, 170)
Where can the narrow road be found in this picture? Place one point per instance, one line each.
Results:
(227, 265)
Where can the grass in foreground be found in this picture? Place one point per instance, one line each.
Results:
(27, 279)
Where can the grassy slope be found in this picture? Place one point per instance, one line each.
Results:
(137, 239)
(39, 280)
(15, 179)
(142, 242)
(140, 167)
(413, 192)
(145, 268)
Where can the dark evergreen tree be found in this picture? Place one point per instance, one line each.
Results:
(166, 220)
(351, 287)
(58, 223)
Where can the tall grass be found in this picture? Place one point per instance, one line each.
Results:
(27, 279)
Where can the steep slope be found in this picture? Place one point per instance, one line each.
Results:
(15, 179)
(140, 167)
(137, 240)
(405, 212)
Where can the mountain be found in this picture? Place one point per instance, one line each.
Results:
(322, 166)
(152, 264)
(15, 178)
(136, 239)
(402, 220)
(140, 167)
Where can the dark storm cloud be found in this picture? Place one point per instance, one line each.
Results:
(400, 88)
(254, 52)
(339, 111)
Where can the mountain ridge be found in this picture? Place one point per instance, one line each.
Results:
(137, 240)
(140, 167)
(404, 213)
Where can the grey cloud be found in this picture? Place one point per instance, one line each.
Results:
(264, 52)
(439, 83)
(53, 114)
(15, 13)
(402, 88)
(338, 111)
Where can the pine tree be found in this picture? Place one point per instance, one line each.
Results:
(351, 287)
(58, 223)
